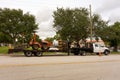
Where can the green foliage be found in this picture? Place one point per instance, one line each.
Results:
(71, 23)
(115, 35)
(5, 38)
(15, 24)
(116, 30)
(111, 34)
(99, 26)
(57, 37)
(38, 39)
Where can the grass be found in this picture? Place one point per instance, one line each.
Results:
(4, 50)
(115, 52)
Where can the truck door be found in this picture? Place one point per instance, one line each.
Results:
(102, 48)
(96, 48)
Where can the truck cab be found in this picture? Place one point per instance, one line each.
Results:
(95, 47)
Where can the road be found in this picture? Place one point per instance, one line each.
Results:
(19, 67)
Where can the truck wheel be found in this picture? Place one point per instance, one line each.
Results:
(97, 53)
(28, 53)
(35, 47)
(38, 53)
(76, 53)
(83, 53)
(106, 52)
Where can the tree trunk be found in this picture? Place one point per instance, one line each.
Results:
(14, 42)
(115, 48)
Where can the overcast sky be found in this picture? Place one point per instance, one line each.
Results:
(43, 10)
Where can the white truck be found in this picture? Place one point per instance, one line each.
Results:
(95, 47)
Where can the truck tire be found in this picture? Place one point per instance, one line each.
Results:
(35, 46)
(28, 53)
(83, 53)
(106, 52)
(76, 53)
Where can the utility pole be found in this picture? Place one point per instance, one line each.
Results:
(91, 25)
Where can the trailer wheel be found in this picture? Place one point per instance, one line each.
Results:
(83, 53)
(28, 53)
(76, 53)
(38, 53)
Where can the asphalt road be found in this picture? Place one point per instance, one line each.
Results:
(19, 67)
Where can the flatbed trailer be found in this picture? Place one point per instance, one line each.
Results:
(81, 51)
(39, 53)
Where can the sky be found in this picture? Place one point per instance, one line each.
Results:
(43, 10)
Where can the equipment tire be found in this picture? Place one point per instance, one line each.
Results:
(83, 53)
(35, 46)
(45, 47)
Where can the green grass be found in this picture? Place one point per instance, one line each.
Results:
(4, 50)
(115, 52)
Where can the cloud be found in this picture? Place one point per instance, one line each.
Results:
(109, 10)
(109, 5)
(45, 20)
(46, 26)
(114, 17)
(44, 15)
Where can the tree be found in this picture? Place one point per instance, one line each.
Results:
(71, 23)
(57, 37)
(111, 34)
(16, 24)
(98, 25)
(115, 35)
(5, 38)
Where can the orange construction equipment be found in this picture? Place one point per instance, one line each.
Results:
(45, 45)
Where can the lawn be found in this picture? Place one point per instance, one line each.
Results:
(4, 50)
(115, 52)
